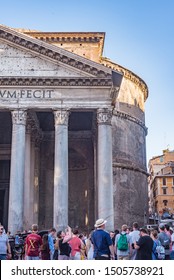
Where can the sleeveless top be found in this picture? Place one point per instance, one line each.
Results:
(64, 248)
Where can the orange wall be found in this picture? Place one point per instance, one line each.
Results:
(169, 196)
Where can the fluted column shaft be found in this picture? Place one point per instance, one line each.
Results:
(105, 171)
(60, 211)
(15, 216)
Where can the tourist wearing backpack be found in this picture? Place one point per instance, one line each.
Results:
(158, 251)
(169, 233)
(165, 241)
(122, 244)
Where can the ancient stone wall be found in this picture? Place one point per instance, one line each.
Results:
(129, 168)
(86, 44)
(130, 197)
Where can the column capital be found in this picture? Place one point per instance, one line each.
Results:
(61, 117)
(104, 116)
(19, 117)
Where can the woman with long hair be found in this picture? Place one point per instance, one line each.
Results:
(45, 251)
(64, 247)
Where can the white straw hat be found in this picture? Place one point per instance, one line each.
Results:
(100, 222)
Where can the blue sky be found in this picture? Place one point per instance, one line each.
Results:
(139, 36)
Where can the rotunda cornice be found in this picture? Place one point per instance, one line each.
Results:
(130, 167)
(127, 74)
(127, 116)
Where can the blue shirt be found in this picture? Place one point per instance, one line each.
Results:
(101, 241)
(51, 242)
(3, 244)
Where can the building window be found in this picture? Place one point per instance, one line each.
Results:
(164, 191)
(164, 181)
(161, 159)
(165, 202)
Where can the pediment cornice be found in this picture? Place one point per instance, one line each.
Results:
(56, 82)
(54, 53)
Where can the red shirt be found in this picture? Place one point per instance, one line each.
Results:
(33, 243)
(75, 244)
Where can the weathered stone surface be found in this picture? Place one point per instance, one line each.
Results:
(129, 171)
(130, 197)
(24, 64)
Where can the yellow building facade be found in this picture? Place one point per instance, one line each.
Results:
(161, 184)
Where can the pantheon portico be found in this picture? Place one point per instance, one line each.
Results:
(72, 133)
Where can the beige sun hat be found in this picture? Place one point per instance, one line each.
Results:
(100, 222)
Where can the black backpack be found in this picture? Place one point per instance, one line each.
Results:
(165, 241)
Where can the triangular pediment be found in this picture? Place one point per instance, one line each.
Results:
(27, 56)
(23, 63)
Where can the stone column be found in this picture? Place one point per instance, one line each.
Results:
(27, 180)
(60, 210)
(105, 172)
(15, 216)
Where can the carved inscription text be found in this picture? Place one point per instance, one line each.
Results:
(26, 93)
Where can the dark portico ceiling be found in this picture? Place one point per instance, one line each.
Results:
(78, 121)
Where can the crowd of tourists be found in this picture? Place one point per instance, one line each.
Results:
(127, 244)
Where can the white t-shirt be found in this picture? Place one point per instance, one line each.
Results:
(134, 235)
